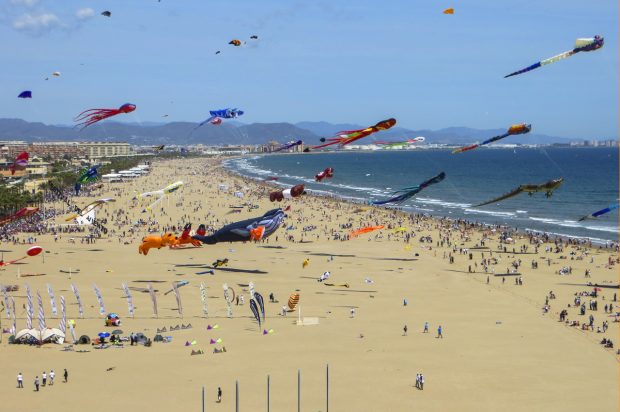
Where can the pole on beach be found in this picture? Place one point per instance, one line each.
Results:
(298, 390)
(327, 389)
(268, 389)
(203, 399)
(236, 396)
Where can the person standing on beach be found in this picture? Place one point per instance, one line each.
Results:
(52, 376)
(20, 380)
(425, 327)
(439, 332)
(43, 378)
(36, 383)
(66, 375)
(405, 330)
(421, 382)
(417, 380)
(219, 394)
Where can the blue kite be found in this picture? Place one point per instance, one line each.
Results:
(409, 192)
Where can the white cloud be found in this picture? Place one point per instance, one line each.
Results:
(83, 14)
(27, 3)
(37, 22)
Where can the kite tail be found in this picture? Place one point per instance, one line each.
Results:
(527, 69)
(150, 207)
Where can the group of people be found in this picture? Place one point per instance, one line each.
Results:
(45, 379)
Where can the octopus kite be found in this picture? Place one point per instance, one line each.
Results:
(513, 130)
(409, 192)
(20, 162)
(547, 187)
(92, 116)
(349, 136)
(280, 195)
(581, 45)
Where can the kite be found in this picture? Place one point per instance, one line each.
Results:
(294, 191)
(448, 11)
(261, 303)
(152, 241)
(235, 42)
(409, 192)
(87, 176)
(254, 309)
(581, 45)
(106, 13)
(32, 251)
(92, 116)
(254, 37)
(327, 173)
(515, 129)
(406, 143)
(159, 148)
(272, 178)
(250, 229)
(363, 230)
(216, 115)
(56, 74)
(348, 136)
(216, 121)
(220, 262)
(185, 238)
(293, 300)
(89, 208)
(21, 214)
(547, 187)
(288, 146)
(26, 94)
(20, 162)
(346, 285)
(218, 52)
(600, 212)
(162, 193)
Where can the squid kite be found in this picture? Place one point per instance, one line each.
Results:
(92, 116)
(581, 45)
(26, 94)
(161, 194)
(280, 195)
(409, 192)
(515, 129)
(363, 230)
(419, 139)
(87, 176)
(547, 187)
(20, 162)
(327, 173)
(348, 136)
(288, 146)
(600, 212)
(89, 208)
(251, 229)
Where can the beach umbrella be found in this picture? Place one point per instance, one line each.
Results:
(117, 332)
(104, 334)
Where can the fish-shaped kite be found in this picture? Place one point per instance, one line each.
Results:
(288, 146)
(600, 212)
(513, 130)
(409, 192)
(547, 187)
(581, 45)
(349, 136)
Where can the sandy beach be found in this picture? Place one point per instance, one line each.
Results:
(501, 347)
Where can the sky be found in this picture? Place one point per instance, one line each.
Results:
(343, 62)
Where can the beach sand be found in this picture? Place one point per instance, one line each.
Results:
(498, 351)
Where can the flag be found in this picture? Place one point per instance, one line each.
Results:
(99, 299)
(29, 308)
(154, 300)
(129, 299)
(14, 331)
(203, 297)
(50, 292)
(6, 302)
(42, 324)
(63, 315)
(79, 301)
(178, 296)
(72, 332)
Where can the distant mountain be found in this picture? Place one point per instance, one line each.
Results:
(184, 133)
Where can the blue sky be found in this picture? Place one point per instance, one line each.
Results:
(347, 62)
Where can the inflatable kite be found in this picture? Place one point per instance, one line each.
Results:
(280, 195)
(288, 146)
(600, 212)
(20, 162)
(92, 116)
(87, 176)
(515, 129)
(235, 42)
(106, 13)
(245, 230)
(581, 45)
(406, 143)
(185, 238)
(158, 242)
(363, 230)
(216, 121)
(162, 193)
(220, 262)
(32, 251)
(26, 94)
(409, 192)
(293, 301)
(254, 309)
(327, 173)
(348, 136)
(448, 11)
(21, 214)
(220, 114)
(547, 187)
(89, 208)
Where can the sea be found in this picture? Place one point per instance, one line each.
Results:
(590, 183)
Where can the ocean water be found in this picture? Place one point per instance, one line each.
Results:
(590, 183)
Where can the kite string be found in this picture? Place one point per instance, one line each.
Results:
(553, 162)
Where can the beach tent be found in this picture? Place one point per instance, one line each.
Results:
(84, 340)
(53, 335)
(158, 338)
(28, 335)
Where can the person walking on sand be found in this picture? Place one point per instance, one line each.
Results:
(439, 332)
(417, 380)
(425, 327)
(219, 394)
(66, 376)
(421, 382)
(405, 330)
(52, 376)
(20, 380)
(43, 378)
(36, 383)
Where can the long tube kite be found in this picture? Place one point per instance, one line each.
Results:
(581, 45)
(363, 230)
(89, 208)
(601, 212)
(409, 192)
(288, 146)
(346, 137)
(219, 115)
(251, 229)
(162, 193)
(513, 130)
(407, 142)
(547, 187)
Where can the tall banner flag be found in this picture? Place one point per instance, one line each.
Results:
(29, 308)
(79, 301)
(129, 299)
(14, 331)
(63, 315)
(178, 296)
(99, 299)
(50, 292)
(42, 324)
(153, 299)
(6, 302)
(203, 297)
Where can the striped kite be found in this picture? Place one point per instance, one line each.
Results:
(409, 192)
(349, 136)
(512, 130)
